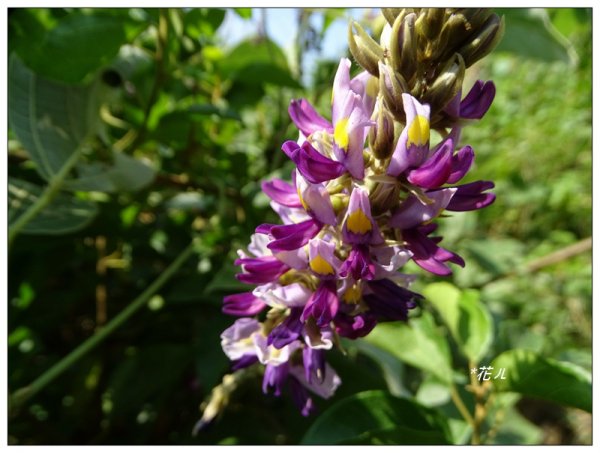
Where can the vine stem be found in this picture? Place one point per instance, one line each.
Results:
(47, 196)
(23, 394)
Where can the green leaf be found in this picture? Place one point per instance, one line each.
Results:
(126, 174)
(530, 33)
(244, 13)
(203, 22)
(64, 214)
(49, 119)
(418, 343)
(529, 374)
(72, 48)
(376, 416)
(467, 318)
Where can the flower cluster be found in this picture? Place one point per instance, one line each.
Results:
(363, 199)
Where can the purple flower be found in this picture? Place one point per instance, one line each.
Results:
(306, 118)
(426, 253)
(314, 364)
(389, 301)
(470, 197)
(275, 376)
(358, 264)
(260, 270)
(413, 212)
(359, 226)
(315, 199)
(412, 147)
(322, 260)
(282, 192)
(243, 304)
(290, 237)
(286, 332)
(354, 326)
(313, 165)
(323, 304)
(475, 104)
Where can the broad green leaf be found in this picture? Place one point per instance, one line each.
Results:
(529, 374)
(516, 430)
(202, 22)
(64, 214)
(467, 318)
(126, 174)
(372, 417)
(418, 343)
(49, 119)
(530, 33)
(73, 47)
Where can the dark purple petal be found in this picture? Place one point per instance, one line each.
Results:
(282, 192)
(294, 236)
(427, 254)
(478, 101)
(390, 302)
(354, 326)
(435, 171)
(314, 364)
(275, 376)
(286, 332)
(470, 197)
(243, 304)
(244, 362)
(322, 305)
(358, 264)
(260, 270)
(461, 163)
(313, 165)
(306, 118)
(301, 397)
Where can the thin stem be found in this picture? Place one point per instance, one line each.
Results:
(24, 393)
(460, 405)
(47, 196)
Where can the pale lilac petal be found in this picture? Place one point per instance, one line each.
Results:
(306, 118)
(321, 255)
(412, 212)
(275, 295)
(341, 87)
(234, 339)
(281, 192)
(243, 304)
(324, 389)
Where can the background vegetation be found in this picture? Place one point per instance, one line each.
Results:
(149, 131)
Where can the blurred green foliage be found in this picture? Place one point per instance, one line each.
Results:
(175, 132)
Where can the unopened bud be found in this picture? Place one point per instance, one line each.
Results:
(446, 85)
(381, 135)
(484, 42)
(403, 46)
(391, 14)
(364, 49)
(430, 22)
(391, 86)
(452, 35)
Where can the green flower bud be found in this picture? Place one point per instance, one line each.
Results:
(403, 46)
(381, 135)
(390, 14)
(391, 86)
(485, 40)
(446, 85)
(430, 22)
(364, 49)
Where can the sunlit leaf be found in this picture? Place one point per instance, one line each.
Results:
(418, 343)
(467, 318)
(532, 375)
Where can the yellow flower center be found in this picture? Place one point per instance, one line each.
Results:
(352, 295)
(358, 222)
(319, 265)
(418, 132)
(340, 134)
